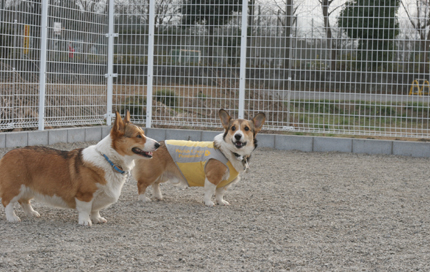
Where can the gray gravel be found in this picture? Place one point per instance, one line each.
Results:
(294, 211)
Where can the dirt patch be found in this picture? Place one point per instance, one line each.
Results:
(294, 211)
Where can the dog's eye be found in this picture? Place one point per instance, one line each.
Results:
(233, 128)
(246, 128)
(139, 136)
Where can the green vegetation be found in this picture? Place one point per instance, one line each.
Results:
(136, 105)
(375, 25)
(167, 97)
(201, 96)
(130, 59)
(332, 115)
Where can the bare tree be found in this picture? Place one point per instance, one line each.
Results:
(286, 17)
(325, 7)
(92, 10)
(421, 23)
(165, 11)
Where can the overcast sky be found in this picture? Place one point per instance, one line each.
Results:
(309, 14)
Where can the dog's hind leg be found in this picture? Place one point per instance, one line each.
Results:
(156, 190)
(10, 213)
(9, 204)
(143, 184)
(28, 209)
(141, 188)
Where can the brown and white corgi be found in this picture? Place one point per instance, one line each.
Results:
(212, 165)
(87, 179)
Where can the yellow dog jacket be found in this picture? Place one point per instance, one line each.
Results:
(191, 158)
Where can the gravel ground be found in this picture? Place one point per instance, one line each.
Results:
(294, 211)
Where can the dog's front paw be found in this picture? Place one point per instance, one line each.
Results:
(209, 203)
(13, 218)
(35, 214)
(99, 220)
(85, 222)
(144, 199)
(223, 202)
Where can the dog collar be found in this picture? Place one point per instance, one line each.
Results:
(237, 155)
(244, 161)
(119, 170)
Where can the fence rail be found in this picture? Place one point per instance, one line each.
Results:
(312, 66)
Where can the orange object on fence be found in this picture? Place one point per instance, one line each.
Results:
(26, 38)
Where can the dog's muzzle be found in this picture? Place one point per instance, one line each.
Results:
(239, 144)
(140, 152)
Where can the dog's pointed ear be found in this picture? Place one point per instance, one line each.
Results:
(127, 118)
(258, 121)
(119, 124)
(225, 118)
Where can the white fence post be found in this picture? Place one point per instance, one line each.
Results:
(150, 71)
(42, 72)
(243, 38)
(111, 35)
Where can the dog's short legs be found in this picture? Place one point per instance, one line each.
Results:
(9, 205)
(96, 218)
(10, 213)
(156, 190)
(209, 192)
(220, 196)
(28, 209)
(143, 197)
(84, 210)
(141, 188)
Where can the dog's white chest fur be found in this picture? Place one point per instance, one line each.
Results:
(107, 193)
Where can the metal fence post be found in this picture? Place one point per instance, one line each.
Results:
(150, 75)
(110, 35)
(289, 75)
(289, 39)
(243, 38)
(42, 72)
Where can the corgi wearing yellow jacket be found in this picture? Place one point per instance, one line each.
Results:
(213, 165)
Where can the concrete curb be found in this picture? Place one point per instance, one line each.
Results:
(276, 141)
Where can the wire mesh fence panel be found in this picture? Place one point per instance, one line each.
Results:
(356, 67)
(195, 61)
(75, 86)
(76, 63)
(268, 54)
(307, 66)
(131, 58)
(19, 54)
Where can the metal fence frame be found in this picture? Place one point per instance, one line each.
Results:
(270, 67)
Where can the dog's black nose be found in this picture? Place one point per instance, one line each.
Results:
(237, 136)
(157, 145)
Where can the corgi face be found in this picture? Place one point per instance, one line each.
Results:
(130, 140)
(241, 133)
